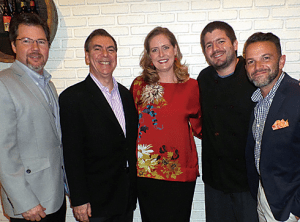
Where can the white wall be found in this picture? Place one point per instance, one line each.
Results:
(130, 20)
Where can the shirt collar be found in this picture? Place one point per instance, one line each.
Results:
(43, 79)
(104, 88)
(257, 95)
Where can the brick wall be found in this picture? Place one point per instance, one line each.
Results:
(130, 20)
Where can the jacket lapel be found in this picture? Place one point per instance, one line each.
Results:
(36, 92)
(100, 101)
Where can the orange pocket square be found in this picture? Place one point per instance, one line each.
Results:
(279, 124)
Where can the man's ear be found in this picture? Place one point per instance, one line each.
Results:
(13, 46)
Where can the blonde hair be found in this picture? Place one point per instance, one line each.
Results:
(149, 73)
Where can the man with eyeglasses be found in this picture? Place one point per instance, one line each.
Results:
(31, 159)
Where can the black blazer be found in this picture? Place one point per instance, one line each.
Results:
(280, 153)
(96, 151)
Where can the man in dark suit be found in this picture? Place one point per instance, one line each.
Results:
(273, 146)
(99, 130)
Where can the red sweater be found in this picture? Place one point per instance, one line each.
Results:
(169, 116)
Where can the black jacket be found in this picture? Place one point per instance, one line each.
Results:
(95, 149)
(226, 108)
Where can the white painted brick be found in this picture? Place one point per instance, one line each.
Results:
(70, 2)
(64, 33)
(141, 30)
(174, 6)
(53, 64)
(82, 73)
(86, 10)
(56, 43)
(101, 20)
(126, 82)
(269, 2)
(192, 60)
(196, 49)
(73, 43)
(64, 12)
(188, 39)
(131, 19)
(292, 23)
(292, 57)
(64, 74)
(60, 54)
(144, 8)
(293, 2)
(237, 4)
(263, 25)
(137, 71)
(74, 63)
(115, 9)
(289, 12)
(129, 62)
(241, 25)
(59, 84)
(292, 67)
(122, 1)
(72, 82)
(83, 32)
(90, 2)
(222, 15)
(73, 22)
(123, 51)
(185, 49)
(204, 5)
(178, 28)
(118, 31)
(287, 34)
(137, 51)
(255, 14)
(198, 27)
(191, 17)
(133, 40)
(293, 46)
(121, 72)
(80, 53)
(160, 18)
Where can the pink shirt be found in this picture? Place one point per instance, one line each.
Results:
(114, 100)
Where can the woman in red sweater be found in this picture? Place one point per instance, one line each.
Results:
(168, 104)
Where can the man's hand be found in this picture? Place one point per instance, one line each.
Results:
(83, 212)
(35, 214)
(297, 217)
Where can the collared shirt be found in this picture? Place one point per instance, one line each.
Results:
(261, 111)
(42, 82)
(114, 100)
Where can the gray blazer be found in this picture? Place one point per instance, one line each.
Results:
(30, 146)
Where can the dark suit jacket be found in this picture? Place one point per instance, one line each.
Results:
(95, 149)
(280, 153)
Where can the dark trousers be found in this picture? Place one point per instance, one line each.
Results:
(58, 216)
(229, 207)
(127, 217)
(165, 201)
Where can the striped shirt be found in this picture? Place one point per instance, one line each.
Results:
(261, 111)
(114, 100)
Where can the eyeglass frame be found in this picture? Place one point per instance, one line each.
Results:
(31, 41)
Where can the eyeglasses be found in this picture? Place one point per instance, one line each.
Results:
(28, 41)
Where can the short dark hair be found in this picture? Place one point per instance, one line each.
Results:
(29, 19)
(98, 32)
(210, 27)
(263, 37)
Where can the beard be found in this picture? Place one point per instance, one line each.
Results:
(265, 80)
(219, 65)
(37, 68)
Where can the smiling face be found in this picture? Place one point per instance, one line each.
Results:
(162, 54)
(101, 57)
(263, 64)
(219, 51)
(32, 55)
